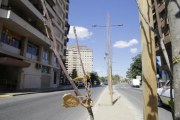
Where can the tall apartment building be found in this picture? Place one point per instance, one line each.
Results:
(26, 60)
(158, 10)
(73, 61)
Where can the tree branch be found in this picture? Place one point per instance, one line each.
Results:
(55, 49)
(88, 93)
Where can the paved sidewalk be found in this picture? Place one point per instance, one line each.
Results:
(119, 111)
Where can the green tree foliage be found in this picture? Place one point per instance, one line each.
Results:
(104, 79)
(94, 77)
(135, 67)
(74, 73)
(116, 79)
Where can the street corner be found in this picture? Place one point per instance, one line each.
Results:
(4, 96)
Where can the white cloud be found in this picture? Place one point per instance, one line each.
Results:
(93, 41)
(123, 44)
(133, 50)
(81, 32)
(97, 70)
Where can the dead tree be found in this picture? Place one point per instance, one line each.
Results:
(87, 99)
(87, 85)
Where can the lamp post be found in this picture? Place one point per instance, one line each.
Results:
(109, 51)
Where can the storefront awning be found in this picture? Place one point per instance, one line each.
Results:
(13, 62)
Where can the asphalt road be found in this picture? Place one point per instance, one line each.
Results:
(44, 106)
(135, 98)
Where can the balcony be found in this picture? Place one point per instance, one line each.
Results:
(57, 24)
(61, 6)
(24, 17)
(64, 57)
(67, 1)
(23, 26)
(58, 14)
(66, 19)
(57, 38)
(167, 43)
(161, 7)
(50, 9)
(66, 10)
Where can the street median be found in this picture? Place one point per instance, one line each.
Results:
(103, 110)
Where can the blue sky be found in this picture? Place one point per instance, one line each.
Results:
(85, 13)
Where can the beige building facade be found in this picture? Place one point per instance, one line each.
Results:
(158, 10)
(73, 61)
(26, 59)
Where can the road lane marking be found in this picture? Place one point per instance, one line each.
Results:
(4, 96)
(131, 107)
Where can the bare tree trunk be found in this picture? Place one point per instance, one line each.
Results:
(88, 94)
(174, 25)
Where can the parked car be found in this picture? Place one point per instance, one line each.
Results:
(164, 94)
(80, 84)
(67, 82)
(105, 83)
(161, 83)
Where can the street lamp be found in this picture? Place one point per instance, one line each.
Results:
(109, 52)
(106, 25)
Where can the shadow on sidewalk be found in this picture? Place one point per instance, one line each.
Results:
(116, 100)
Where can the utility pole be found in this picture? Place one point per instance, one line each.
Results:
(150, 108)
(109, 71)
(174, 25)
(109, 57)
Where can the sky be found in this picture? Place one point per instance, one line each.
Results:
(125, 40)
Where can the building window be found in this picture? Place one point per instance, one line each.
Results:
(32, 51)
(55, 59)
(46, 56)
(45, 69)
(10, 38)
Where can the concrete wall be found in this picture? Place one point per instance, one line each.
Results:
(31, 77)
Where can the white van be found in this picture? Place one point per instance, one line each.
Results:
(135, 82)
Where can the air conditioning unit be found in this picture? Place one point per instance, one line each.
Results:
(38, 66)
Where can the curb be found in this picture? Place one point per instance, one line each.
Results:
(4, 96)
(10, 95)
(96, 105)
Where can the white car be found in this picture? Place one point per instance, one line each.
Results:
(164, 94)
